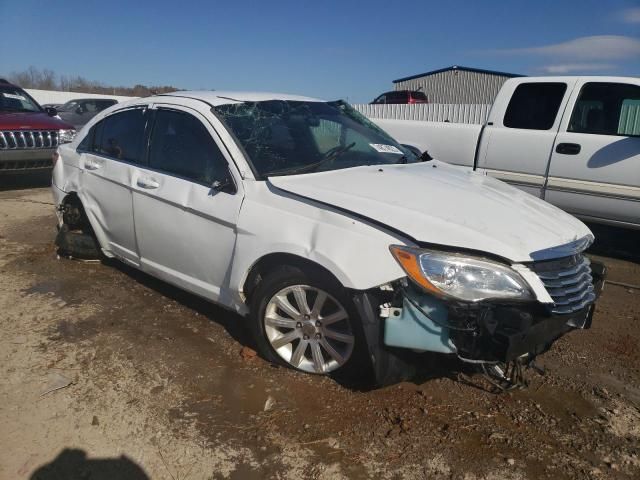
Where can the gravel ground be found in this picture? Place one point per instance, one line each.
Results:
(107, 373)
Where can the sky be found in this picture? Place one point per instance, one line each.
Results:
(327, 49)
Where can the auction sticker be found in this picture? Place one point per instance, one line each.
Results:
(380, 147)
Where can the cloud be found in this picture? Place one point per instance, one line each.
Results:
(561, 68)
(599, 47)
(629, 15)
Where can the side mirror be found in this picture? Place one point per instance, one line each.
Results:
(425, 157)
(52, 112)
(224, 185)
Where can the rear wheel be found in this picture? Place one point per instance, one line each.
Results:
(76, 238)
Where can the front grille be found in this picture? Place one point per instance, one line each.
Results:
(568, 281)
(28, 139)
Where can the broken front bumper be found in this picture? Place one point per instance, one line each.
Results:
(483, 332)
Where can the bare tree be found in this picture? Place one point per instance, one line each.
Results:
(48, 80)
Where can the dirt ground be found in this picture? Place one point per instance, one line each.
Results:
(106, 373)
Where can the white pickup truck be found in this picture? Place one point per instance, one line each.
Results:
(572, 141)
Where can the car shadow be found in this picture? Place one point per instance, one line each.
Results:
(73, 464)
(615, 242)
(25, 180)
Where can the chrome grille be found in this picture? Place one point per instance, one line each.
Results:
(568, 281)
(28, 139)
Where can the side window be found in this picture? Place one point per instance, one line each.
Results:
(607, 109)
(397, 97)
(91, 141)
(534, 106)
(122, 136)
(381, 99)
(104, 104)
(89, 106)
(87, 141)
(180, 144)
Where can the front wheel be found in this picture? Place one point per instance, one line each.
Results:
(305, 321)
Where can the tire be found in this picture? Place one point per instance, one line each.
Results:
(326, 340)
(77, 244)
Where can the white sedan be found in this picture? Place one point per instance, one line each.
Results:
(341, 247)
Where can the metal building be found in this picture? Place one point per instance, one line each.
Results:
(456, 84)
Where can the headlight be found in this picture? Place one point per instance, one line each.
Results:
(66, 136)
(461, 276)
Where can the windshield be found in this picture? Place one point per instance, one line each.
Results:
(289, 137)
(14, 99)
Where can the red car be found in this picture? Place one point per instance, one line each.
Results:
(29, 134)
(401, 96)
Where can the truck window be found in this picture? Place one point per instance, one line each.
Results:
(607, 109)
(534, 106)
(397, 97)
(381, 99)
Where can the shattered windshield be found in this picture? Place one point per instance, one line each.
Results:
(14, 99)
(290, 137)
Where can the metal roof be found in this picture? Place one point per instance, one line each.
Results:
(458, 67)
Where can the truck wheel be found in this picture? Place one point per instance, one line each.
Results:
(306, 321)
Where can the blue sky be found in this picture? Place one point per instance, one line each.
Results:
(328, 49)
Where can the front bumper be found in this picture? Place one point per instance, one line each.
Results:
(27, 160)
(484, 332)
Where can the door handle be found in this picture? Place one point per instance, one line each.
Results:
(568, 148)
(91, 165)
(147, 183)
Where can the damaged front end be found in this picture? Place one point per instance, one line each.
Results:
(505, 332)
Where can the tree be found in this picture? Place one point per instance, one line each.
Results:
(48, 80)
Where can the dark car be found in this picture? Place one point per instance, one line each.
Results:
(79, 111)
(29, 134)
(401, 96)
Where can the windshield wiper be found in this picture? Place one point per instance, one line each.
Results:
(311, 167)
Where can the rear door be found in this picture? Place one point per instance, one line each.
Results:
(518, 139)
(109, 157)
(186, 203)
(595, 166)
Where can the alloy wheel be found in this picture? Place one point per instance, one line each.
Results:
(309, 329)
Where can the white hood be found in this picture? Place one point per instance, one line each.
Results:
(436, 203)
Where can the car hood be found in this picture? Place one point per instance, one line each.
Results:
(436, 203)
(31, 121)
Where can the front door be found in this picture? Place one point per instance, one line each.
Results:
(595, 164)
(520, 134)
(186, 204)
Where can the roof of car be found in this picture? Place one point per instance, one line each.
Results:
(216, 97)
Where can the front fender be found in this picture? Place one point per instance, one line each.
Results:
(354, 251)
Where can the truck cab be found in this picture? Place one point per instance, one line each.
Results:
(573, 141)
